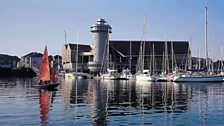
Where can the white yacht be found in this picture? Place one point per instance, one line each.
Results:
(77, 75)
(127, 75)
(145, 76)
(205, 76)
(163, 77)
(198, 78)
(111, 74)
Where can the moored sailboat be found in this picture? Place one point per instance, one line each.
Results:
(145, 74)
(206, 76)
(166, 74)
(106, 72)
(126, 73)
(47, 79)
(198, 78)
(76, 74)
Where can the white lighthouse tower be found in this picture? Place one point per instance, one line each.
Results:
(101, 32)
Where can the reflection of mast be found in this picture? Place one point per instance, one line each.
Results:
(206, 109)
(107, 101)
(164, 99)
(66, 93)
(172, 99)
(129, 94)
(141, 100)
(203, 104)
(199, 103)
(151, 95)
(76, 98)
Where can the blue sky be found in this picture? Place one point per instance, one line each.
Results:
(29, 25)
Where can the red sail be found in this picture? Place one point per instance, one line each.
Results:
(53, 78)
(44, 68)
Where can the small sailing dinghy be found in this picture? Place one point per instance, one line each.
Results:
(47, 79)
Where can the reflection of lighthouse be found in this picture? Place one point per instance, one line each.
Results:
(101, 32)
(98, 101)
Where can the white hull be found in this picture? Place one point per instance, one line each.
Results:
(77, 75)
(144, 77)
(128, 77)
(110, 77)
(215, 78)
(165, 78)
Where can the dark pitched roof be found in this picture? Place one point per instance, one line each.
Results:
(29, 54)
(8, 57)
(82, 48)
(16, 58)
(37, 55)
(123, 47)
(57, 56)
(33, 54)
(50, 57)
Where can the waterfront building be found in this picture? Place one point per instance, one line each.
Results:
(57, 62)
(8, 62)
(50, 59)
(69, 53)
(31, 60)
(122, 52)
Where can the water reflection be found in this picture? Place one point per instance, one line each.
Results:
(66, 88)
(98, 98)
(107, 102)
(46, 98)
(206, 101)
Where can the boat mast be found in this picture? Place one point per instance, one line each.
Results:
(166, 58)
(58, 63)
(65, 37)
(130, 57)
(143, 44)
(77, 51)
(108, 52)
(153, 59)
(199, 59)
(163, 64)
(206, 35)
(221, 63)
(172, 52)
(66, 51)
(189, 56)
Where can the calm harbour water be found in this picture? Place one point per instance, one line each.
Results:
(98, 102)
